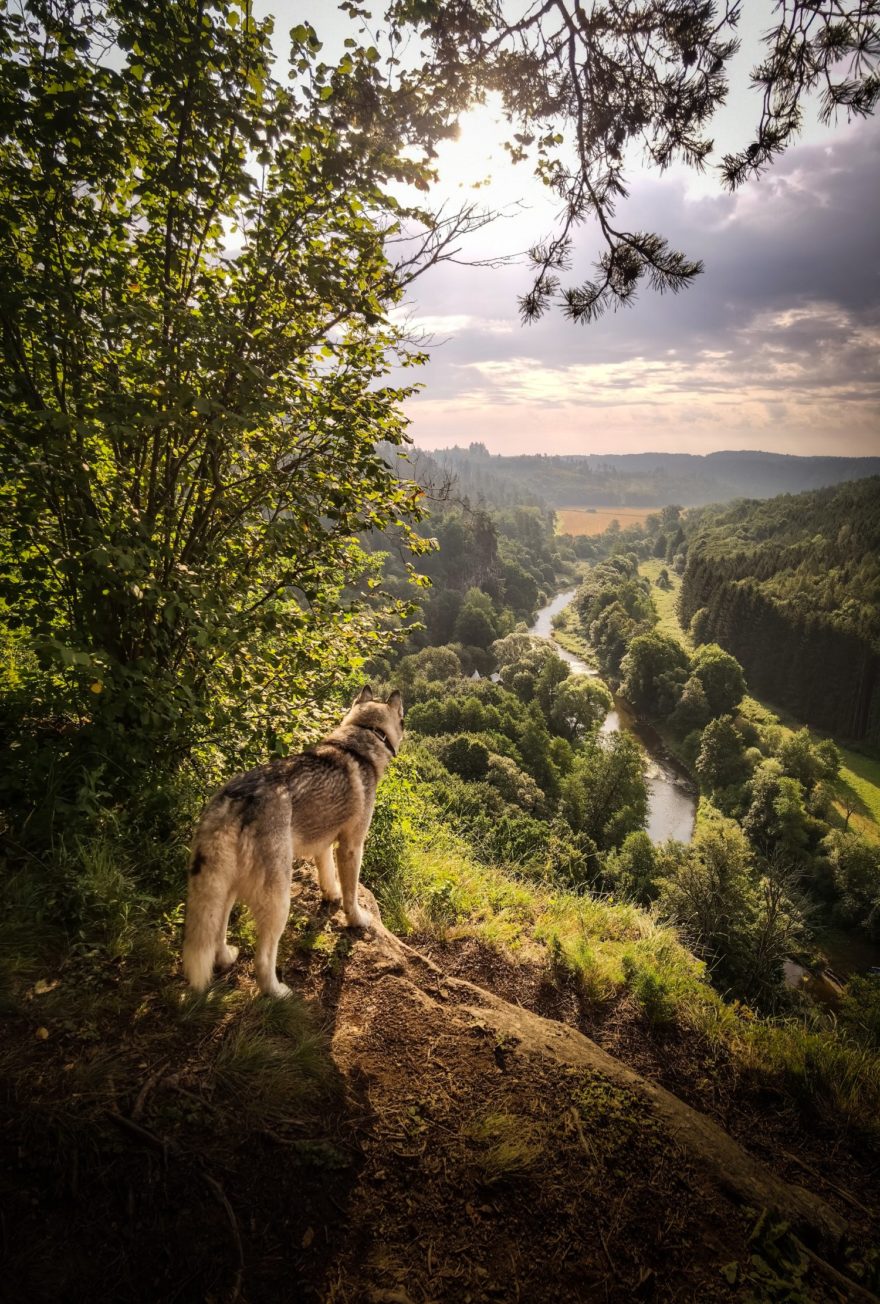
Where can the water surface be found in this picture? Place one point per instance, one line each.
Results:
(672, 804)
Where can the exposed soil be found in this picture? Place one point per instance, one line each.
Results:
(806, 1150)
(444, 1163)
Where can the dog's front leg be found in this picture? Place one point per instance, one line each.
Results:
(348, 859)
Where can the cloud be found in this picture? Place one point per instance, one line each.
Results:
(776, 343)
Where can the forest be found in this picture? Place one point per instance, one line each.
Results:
(767, 794)
(792, 588)
(648, 479)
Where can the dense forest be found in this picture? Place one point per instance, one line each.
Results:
(649, 479)
(769, 840)
(792, 588)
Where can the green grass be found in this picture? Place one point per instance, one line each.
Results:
(567, 635)
(860, 779)
(94, 1005)
(612, 949)
(666, 601)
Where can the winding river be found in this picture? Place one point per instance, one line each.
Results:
(672, 803)
(672, 806)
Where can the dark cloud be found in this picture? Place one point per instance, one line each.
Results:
(784, 322)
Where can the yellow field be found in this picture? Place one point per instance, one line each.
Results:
(595, 520)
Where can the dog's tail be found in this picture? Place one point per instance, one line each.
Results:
(205, 911)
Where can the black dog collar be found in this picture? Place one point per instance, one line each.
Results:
(381, 735)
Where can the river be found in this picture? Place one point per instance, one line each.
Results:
(672, 804)
(672, 809)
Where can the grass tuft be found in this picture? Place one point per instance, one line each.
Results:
(506, 1146)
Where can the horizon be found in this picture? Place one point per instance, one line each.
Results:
(655, 452)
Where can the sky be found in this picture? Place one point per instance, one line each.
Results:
(776, 346)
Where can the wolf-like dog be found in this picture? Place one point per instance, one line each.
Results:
(300, 806)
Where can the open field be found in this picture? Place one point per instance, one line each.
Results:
(858, 787)
(666, 601)
(595, 520)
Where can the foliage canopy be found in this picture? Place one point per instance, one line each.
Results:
(194, 288)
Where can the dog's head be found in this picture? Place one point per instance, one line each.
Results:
(371, 713)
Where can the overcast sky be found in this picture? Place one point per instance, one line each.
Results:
(776, 346)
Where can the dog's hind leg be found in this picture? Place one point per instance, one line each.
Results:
(225, 956)
(348, 859)
(270, 910)
(328, 878)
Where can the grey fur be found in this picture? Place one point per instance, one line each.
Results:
(300, 806)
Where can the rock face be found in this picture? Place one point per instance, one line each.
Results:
(505, 1156)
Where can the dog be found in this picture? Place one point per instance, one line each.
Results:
(250, 832)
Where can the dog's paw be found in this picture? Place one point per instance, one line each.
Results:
(331, 897)
(226, 958)
(280, 992)
(358, 918)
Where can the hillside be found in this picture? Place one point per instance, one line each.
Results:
(398, 1134)
(646, 479)
(792, 588)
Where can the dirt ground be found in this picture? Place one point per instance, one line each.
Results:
(444, 1163)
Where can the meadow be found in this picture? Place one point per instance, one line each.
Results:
(595, 520)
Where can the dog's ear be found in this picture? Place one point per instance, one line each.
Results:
(396, 701)
(365, 695)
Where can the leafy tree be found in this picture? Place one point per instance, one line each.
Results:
(855, 865)
(579, 705)
(440, 613)
(830, 759)
(776, 816)
(432, 665)
(699, 627)
(721, 676)
(475, 624)
(535, 748)
(514, 784)
(433, 717)
(529, 666)
(194, 293)
(710, 894)
(777, 928)
(466, 757)
(692, 710)
(744, 919)
(800, 759)
(604, 795)
(720, 762)
(552, 679)
(654, 671)
(520, 588)
(610, 634)
(632, 870)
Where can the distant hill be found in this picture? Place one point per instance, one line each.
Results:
(646, 479)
